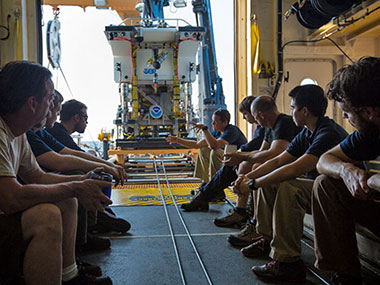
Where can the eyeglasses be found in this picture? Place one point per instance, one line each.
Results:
(84, 116)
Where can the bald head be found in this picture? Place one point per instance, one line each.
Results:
(263, 103)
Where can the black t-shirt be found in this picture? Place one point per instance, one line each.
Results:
(326, 135)
(256, 141)
(283, 129)
(62, 135)
(42, 142)
(362, 146)
(233, 135)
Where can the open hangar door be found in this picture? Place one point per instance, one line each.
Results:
(306, 71)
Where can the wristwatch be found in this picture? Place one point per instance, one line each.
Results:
(205, 128)
(251, 183)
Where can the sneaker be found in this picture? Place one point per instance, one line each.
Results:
(196, 204)
(108, 222)
(94, 243)
(259, 247)
(87, 268)
(84, 279)
(344, 279)
(233, 218)
(245, 236)
(281, 271)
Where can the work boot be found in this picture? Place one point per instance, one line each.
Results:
(233, 218)
(258, 247)
(196, 204)
(344, 279)
(84, 279)
(282, 271)
(245, 236)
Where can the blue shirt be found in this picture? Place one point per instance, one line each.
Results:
(256, 141)
(233, 135)
(362, 146)
(283, 129)
(42, 142)
(326, 135)
(62, 135)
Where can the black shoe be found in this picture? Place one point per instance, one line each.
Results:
(83, 279)
(344, 279)
(94, 243)
(87, 268)
(197, 204)
(281, 271)
(108, 222)
(109, 210)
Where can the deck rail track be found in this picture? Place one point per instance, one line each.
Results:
(183, 278)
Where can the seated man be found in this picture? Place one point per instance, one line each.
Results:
(37, 218)
(345, 194)
(73, 115)
(282, 199)
(211, 147)
(50, 155)
(279, 131)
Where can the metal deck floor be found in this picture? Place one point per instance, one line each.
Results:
(146, 255)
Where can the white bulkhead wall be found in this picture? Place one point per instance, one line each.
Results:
(318, 61)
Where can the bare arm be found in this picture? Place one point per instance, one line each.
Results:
(62, 163)
(16, 197)
(337, 164)
(287, 171)
(212, 142)
(277, 147)
(117, 171)
(186, 143)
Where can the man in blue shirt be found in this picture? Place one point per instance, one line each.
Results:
(210, 156)
(346, 194)
(283, 199)
(54, 156)
(73, 115)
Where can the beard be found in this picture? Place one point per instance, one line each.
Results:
(78, 128)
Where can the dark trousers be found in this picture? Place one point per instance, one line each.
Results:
(221, 180)
(335, 212)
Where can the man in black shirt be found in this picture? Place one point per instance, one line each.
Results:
(345, 194)
(283, 199)
(279, 131)
(74, 118)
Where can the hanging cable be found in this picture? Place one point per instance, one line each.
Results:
(318, 40)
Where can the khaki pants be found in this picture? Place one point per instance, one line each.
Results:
(208, 163)
(280, 212)
(335, 212)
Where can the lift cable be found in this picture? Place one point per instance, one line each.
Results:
(318, 40)
(185, 227)
(169, 224)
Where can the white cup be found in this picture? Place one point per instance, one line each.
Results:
(230, 148)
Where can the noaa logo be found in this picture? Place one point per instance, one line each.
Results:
(149, 70)
(155, 112)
